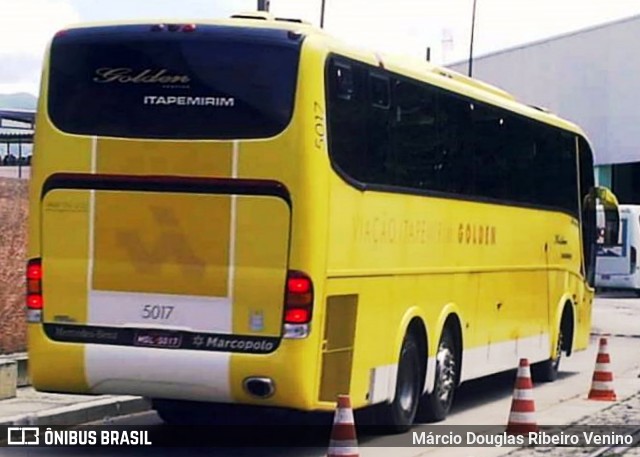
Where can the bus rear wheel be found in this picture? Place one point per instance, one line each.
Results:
(174, 413)
(435, 406)
(398, 416)
(178, 412)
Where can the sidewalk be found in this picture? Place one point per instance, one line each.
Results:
(29, 407)
(36, 408)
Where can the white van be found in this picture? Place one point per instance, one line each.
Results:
(617, 265)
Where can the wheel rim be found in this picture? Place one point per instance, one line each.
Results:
(558, 356)
(446, 373)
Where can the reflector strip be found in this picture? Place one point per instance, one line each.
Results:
(233, 223)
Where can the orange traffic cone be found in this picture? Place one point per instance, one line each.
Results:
(343, 441)
(602, 382)
(522, 417)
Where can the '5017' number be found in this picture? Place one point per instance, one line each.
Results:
(318, 125)
(157, 312)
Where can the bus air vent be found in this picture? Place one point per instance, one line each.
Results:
(259, 15)
(294, 20)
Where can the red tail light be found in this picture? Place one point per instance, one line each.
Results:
(297, 316)
(299, 300)
(34, 284)
(298, 285)
(34, 269)
(34, 302)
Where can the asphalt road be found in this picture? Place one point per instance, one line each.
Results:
(486, 401)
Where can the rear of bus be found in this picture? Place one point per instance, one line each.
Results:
(165, 216)
(617, 265)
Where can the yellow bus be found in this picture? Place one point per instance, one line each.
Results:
(250, 212)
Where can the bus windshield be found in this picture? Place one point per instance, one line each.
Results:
(149, 82)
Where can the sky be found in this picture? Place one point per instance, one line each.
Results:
(405, 27)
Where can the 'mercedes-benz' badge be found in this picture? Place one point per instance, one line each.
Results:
(125, 75)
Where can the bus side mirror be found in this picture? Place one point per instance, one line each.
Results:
(610, 205)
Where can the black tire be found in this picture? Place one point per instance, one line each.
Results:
(171, 413)
(435, 407)
(175, 412)
(547, 371)
(398, 416)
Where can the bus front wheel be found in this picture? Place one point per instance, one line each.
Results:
(435, 406)
(398, 416)
(547, 371)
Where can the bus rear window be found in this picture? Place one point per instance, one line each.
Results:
(213, 83)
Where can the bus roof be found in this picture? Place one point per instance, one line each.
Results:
(415, 68)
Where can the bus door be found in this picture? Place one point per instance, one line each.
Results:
(563, 252)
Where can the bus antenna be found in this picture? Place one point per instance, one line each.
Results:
(473, 26)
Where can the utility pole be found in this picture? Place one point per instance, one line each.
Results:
(473, 26)
(322, 15)
(263, 5)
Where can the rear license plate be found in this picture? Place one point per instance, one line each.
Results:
(606, 277)
(157, 340)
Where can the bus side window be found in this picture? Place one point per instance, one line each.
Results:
(347, 123)
(379, 91)
(491, 156)
(380, 158)
(344, 81)
(417, 148)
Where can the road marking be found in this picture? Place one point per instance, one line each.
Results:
(618, 450)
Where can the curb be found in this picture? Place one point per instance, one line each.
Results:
(23, 369)
(81, 413)
(22, 364)
(99, 409)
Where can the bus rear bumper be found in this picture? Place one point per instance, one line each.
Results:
(158, 373)
(172, 374)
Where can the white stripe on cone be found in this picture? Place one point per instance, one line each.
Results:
(343, 416)
(523, 394)
(522, 418)
(353, 444)
(524, 372)
(343, 451)
(601, 385)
